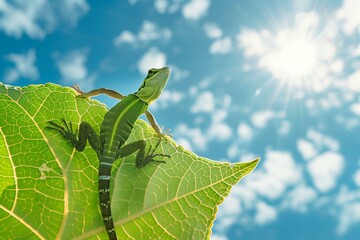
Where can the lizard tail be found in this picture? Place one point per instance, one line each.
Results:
(104, 197)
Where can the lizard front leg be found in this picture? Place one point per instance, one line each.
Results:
(98, 91)
(86, 132)
(155, 125)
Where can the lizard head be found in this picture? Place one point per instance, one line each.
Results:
(153, 84)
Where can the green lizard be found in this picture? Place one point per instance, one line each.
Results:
(115, 130)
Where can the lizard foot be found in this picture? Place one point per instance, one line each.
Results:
(81, 94)
(165, 134)
(151, 154)
(66, 131)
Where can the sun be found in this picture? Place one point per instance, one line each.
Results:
(297, 58)
(293, 58)
(300, 54)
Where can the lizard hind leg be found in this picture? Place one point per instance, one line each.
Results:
(142, 158)
(151, 154)
(66, 131)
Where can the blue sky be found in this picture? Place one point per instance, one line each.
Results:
(275, 79)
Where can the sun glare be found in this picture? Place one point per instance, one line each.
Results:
(294, 59)
(297, 58)
(293, 54)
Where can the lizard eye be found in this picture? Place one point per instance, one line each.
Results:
(151, 73)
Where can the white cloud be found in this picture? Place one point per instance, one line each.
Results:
(151, 59)
(161, 5)
(336, 66)
(38, 17)
(307, 20)
(279, 172)
(184, 143)
(195, 9)
(245, 195)
(11, 75)
(166, 99)
(346, 122)
(219, 131)
(349, 216)
(356, 177)
(266, 185)
(355, 51)
(300, 198)
(212, 30)
(325, 169)
(261, 119)
(219, 115)
(349, 17)
(265, 213)
(239, 199)
(246, 157)
(72, 68)
(279, 180)
(231, 206)
(226, 101)
(348, 212)
(125, 37)
(233, 151)
(315, 143)
(302, 4)
(216, 236)
(245, 132)
(355, 108)
(149, 31)
(330, 101)
(282, 166)
(345, 196)
(167, 6)
(322, 141)
(132, 2)
(327, 50)
(284, 128)
(306, 148)
(353, 81)
(177, 73)
(221, 46)
(252, 42)
(24, 67)
(195, 135)
(205, 102)
(72, 10)
(19, 19)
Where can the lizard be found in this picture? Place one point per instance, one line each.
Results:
(115, 129)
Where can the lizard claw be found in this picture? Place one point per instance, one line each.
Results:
(81, 94)
(165, 134)
(66, 129)
(152, 155)
(77, 89)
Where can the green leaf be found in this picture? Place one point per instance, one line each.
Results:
(49, 191)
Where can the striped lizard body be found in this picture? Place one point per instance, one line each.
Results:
(115, 130)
